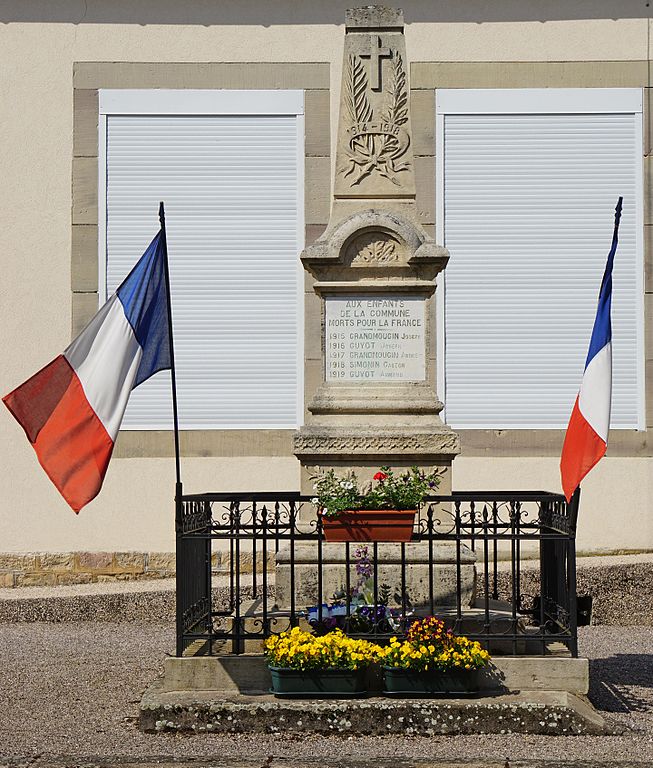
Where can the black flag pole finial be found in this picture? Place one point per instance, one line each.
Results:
(613, 249)
(617, 211)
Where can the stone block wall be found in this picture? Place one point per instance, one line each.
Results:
(49, 569)
(40, 569)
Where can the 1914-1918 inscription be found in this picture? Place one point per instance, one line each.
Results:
(375, 338)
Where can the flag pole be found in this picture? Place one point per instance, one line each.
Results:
(586, 438)
(179, 508)
(173, 378)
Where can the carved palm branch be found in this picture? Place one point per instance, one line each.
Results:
(356, 101)
(396, 108)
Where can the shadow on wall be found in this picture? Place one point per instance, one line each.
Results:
(622, 683)
(266, 13)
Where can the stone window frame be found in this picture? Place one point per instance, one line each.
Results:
(88, 78)
(426, 78)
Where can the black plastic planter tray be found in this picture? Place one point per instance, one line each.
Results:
(318, 683)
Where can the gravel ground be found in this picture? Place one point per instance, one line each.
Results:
(619, 584)
(73, 689)
(100, 588)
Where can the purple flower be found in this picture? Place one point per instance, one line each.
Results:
(363, 564)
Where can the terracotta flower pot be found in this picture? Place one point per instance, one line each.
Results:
(370, 525)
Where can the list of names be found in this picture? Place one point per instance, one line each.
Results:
(375, 338)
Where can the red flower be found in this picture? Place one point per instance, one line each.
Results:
(380, 476)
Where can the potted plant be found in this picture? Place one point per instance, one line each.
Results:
(360, 610)
(382, 511)
(431, 661)
(330, 665)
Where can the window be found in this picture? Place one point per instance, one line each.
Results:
(527, 184)
(229, 166)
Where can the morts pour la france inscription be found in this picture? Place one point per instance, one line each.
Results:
(375, 338)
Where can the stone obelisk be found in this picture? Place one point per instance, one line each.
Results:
(374, 270)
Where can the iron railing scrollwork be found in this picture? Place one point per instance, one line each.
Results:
(498, 567)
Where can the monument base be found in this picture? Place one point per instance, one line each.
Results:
(228, 694)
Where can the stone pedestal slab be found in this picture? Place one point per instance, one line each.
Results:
(248, 673)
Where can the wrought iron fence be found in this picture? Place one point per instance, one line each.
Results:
(497, 567)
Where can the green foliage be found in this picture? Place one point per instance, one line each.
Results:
(386, 491)
(384, 594)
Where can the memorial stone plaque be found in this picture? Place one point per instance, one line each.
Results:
(375, 338)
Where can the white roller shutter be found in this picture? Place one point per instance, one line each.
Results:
(529, 181)
(233, 189)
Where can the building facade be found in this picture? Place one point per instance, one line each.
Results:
(527, 123)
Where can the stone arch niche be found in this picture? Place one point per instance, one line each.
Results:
(375, 248)
(359, 238)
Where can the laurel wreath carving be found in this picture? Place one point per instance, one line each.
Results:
(376, 147)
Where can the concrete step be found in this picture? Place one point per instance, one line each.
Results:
(551, 713)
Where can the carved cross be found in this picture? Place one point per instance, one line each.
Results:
(378, 52)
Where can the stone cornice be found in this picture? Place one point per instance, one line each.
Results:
(405, 443)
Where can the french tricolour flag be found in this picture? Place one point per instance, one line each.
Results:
(71, 410)
(586, 440)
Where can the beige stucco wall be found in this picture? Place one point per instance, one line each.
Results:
(135, 509)
(616, 497)
(37, 53)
